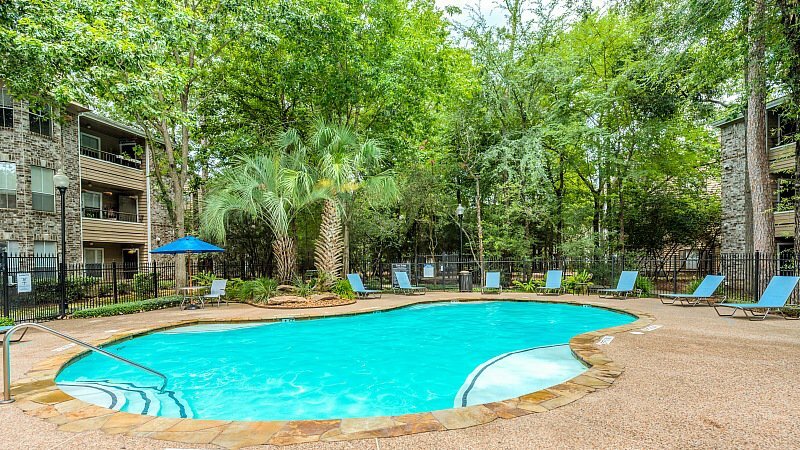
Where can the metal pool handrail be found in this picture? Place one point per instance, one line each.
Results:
(7, 357)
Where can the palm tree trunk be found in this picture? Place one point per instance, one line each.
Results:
(285, 252)
(328, 247)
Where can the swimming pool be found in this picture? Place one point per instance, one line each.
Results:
(419, 358)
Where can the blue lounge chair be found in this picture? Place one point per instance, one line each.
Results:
(552, 282)
(775, 296)
(404, 285)
(492, 282)
(4, 329)
(704, 292)
(358, 286)
(625, 285)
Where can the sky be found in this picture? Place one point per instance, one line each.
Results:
(494, 16)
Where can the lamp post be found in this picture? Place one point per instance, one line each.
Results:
(61, 182)
(460, 214)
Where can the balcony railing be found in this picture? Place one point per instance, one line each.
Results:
(108, 214)
(122, 160)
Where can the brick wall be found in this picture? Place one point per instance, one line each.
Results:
(19, 145)
(736, 207)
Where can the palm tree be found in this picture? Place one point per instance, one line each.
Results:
(344, 166)
(268, 187)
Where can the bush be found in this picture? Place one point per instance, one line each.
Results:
(5, 321)
(143, 284)
(204, 278)
(529, 286)
(343, 289)
(303, 288)
(645, 284)
(259, 290)
(128, 307)
(578, 278)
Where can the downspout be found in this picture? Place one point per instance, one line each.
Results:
(149, 209)
(80, 183)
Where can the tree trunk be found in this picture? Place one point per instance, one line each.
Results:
(756, 139)
(479, 223)
(181, 276)
(346, 247)
(328, 246)
(285, 251)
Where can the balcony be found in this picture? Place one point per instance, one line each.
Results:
(784, 223)
(108, 214)
(112, 169)
(113, 226)
(781, 158)
(122, 160)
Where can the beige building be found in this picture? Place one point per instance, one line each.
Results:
(111, 211)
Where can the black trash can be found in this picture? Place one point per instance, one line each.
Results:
(465, 281)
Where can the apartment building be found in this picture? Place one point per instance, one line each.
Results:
(737, 219)
(111, 212)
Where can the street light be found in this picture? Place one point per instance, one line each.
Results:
(460, 214)
(61, 182)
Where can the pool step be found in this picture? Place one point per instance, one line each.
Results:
(517, 373)
(128, 397)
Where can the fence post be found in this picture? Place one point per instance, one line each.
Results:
(155, 280)
(114, 281)
(756, 276)
(6, 299)
(675, 273)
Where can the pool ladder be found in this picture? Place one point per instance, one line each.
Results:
(7, 357)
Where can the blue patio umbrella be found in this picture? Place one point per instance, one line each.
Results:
(187, 245)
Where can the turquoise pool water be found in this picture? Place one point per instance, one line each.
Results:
(414, 359)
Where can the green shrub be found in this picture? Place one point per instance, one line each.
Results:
(529, 286)
(645, 284)
(128, 307)
(259, 290)
(303, 288)
(343, 289)
(143, 284)
(578, 278)
(5, 321)
(204, 278)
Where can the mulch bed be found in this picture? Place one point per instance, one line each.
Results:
(306, 304)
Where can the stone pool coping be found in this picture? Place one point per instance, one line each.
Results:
(39, 396)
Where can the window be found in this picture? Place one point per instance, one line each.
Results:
(92, 204)
(10, 247)
(44, 253)
(90, 145)
(44, 248)
(93, 261)
(6, 109)
(42, 188)
(40, 121)
(8, 185)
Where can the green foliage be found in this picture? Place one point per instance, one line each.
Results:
(143, 285)
(204, 278)
(303, 288)
(527, 286)
(343, 289)
(583, 277)
(259, 290)
(5, 321)
(645, 285)
(128, 307)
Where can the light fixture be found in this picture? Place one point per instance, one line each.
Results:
(459, 210)
(60, 181)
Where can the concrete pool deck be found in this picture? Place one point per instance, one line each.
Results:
(679, 389)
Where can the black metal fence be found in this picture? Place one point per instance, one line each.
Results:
(746, 275)
(30, 288)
